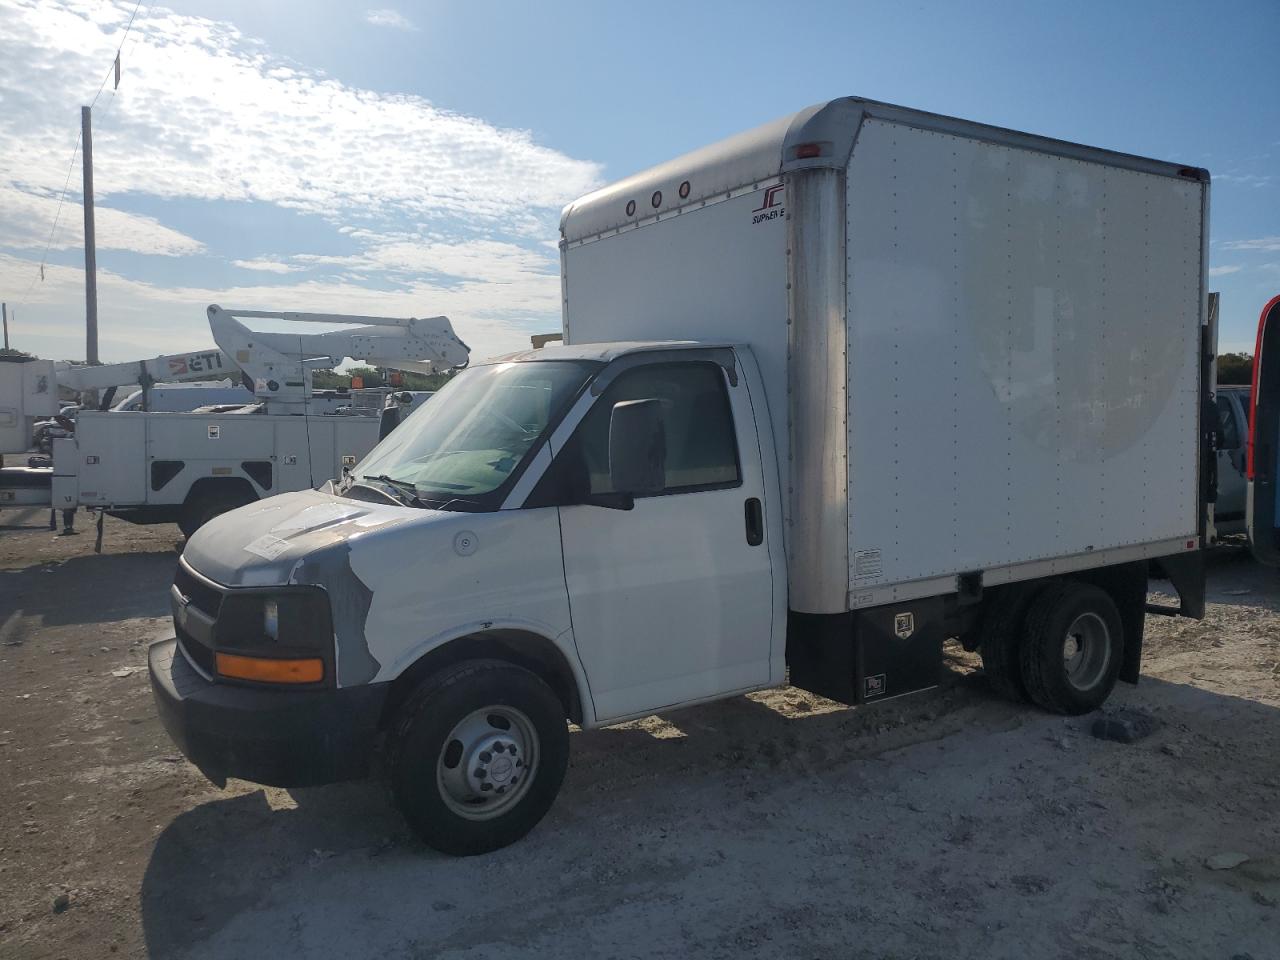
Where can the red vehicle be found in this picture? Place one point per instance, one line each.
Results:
(1264, 439)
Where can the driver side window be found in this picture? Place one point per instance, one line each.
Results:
(702, 449)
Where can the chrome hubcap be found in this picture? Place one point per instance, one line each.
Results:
(487, 762)
(1086, 651)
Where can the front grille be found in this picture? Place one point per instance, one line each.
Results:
(200, 655)
(201, 595)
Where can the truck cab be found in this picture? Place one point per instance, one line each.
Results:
(525, 528)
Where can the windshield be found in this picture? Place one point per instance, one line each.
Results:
(470, 439)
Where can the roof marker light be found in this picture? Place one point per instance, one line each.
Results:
(807, 151)
(631, 208)
(656, 199)
(684, 190)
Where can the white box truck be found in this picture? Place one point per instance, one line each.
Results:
(831, 392)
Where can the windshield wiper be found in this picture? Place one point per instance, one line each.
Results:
(407, 489)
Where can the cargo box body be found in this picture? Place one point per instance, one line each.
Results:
(981, 349)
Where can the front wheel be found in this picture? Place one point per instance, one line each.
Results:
(477, 756)
(1071, 653)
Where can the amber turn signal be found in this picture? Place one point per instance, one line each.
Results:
(270, 670)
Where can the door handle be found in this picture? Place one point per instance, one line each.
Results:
(755, 521)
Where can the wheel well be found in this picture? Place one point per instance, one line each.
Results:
(1125, 583)
(220, 488)
(534, 653)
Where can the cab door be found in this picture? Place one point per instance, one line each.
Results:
(672, 601)
(1264, 439)
(1229, 508)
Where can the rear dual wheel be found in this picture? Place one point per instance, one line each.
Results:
(1064, 653)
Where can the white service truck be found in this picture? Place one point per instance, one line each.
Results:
(831, 392)
(186, 467)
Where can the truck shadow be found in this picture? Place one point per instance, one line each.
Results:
(245, 857)
(1234, 578)
(91, 589)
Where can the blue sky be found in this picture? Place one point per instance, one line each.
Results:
(412, 159)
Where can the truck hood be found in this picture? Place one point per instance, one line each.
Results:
(262, 544)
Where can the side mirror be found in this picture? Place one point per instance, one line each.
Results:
(637, 447)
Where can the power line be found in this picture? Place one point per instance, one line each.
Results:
(58, 213)
(39, 275)
(112, 69)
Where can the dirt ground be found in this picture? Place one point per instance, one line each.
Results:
(949, 824)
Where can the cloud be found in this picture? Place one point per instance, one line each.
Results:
(205, 112)
(1245, 179)
(1223, 271)
(138, 319)
(438, 212)
(389, 18)
(1270, 244)
(265, 266)
(494, 261)
(26, 218)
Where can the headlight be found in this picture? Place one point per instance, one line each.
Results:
(271, 619)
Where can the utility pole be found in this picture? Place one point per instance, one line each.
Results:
(4, 311)
(90, 251)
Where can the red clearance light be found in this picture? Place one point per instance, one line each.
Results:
(684, 190)
(631, 208)
(656, 199)
(807, 151)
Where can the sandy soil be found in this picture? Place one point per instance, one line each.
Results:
(949, 824)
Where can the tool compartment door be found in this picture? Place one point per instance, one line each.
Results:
(1264, 439)
(113, 458)
(27, 391)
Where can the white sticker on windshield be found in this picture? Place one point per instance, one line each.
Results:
(267, 546)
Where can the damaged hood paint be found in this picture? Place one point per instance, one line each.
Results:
(264, 543)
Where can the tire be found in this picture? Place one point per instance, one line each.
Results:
(200, 511)
(1001, 642)
(457, 715)
(1064, 617)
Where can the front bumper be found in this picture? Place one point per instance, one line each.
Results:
(282, 738)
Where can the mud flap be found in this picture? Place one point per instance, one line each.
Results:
(867, 655)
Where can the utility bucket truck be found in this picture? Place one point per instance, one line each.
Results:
(158, 467)
(831, 392)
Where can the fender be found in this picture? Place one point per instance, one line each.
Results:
(563, 644)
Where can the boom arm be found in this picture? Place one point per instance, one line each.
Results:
(170, 368)
(280, 364)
